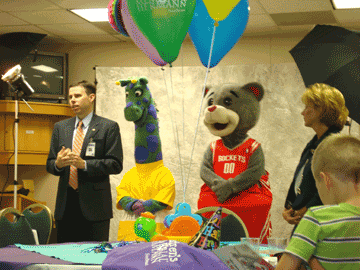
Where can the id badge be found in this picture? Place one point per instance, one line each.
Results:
(90, 150)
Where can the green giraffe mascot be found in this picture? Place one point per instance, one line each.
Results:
(149, 186)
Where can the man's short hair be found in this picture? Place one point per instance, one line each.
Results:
(340, 155)
(89, 87)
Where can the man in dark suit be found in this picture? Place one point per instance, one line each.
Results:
(84, 151)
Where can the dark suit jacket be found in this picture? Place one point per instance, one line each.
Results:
(94, 184)
(309, 195)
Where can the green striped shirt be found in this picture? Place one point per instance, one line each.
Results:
(331, 234)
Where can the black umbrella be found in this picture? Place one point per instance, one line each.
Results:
(15, 46)
(331, 55)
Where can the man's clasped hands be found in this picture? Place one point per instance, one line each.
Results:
(66, 157)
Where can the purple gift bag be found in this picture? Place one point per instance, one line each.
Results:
(166, 255)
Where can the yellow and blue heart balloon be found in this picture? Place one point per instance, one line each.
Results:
(228, 32)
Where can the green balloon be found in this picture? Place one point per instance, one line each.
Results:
(164, 23)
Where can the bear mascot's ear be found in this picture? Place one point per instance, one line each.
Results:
(256, 89)
(207, 88)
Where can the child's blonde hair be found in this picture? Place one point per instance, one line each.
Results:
(339, 155)
(331, 103)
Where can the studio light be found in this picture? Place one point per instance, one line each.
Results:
(16, 79)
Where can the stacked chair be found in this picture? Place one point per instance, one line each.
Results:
(14, 228)
(40, 219)
(17, 227)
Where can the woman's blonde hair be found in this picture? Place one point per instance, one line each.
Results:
(330, 101)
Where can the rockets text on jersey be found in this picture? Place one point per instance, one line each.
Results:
(232, 158)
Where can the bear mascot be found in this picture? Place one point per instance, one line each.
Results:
(233, 167)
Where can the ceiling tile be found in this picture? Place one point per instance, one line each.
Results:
(90, 38)
(105, 26)
(303, 18)
(122, 38)
(260, 21)
(351, 26)
(7, 19)
(52, 17)
(53, 39)
(26, 5)
(297, 28)
(266, 31)
(72, 4)
(73, 29)
(255, 8)
(284, 6)
(48, 17)
(22, 28)
(344, 16)
(262, 30)
(53, 43)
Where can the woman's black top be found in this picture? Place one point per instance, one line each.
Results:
(306, 194)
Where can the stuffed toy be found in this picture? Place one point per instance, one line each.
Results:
(149, 186)
(233, 167)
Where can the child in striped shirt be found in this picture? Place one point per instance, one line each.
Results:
(328, 236)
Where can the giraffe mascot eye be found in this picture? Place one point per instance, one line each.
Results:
(138, 93)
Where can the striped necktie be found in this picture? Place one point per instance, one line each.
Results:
(78, 141)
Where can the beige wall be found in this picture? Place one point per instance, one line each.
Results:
(249, 50)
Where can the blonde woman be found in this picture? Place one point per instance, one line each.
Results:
(325, 112)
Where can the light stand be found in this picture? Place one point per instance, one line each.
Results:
(17, 83)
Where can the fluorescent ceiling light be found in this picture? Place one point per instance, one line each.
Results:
(44, 68)
(93, 15)
(339, 4)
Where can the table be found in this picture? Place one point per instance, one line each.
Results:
(60, 267)
(14, 258)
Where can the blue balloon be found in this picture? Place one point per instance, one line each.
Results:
(227, 33)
